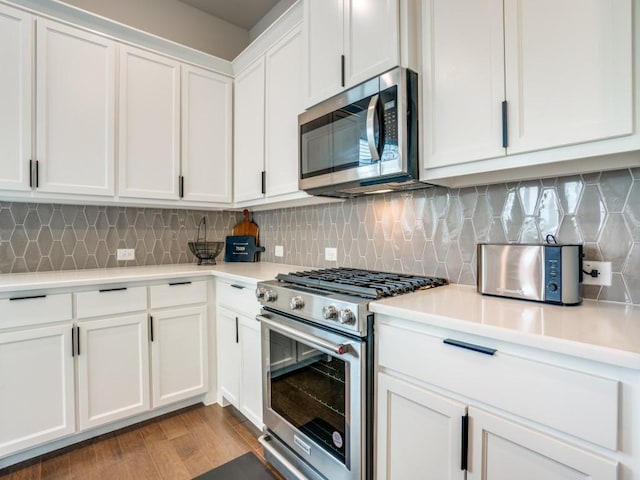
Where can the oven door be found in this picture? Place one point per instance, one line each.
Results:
(313, 387)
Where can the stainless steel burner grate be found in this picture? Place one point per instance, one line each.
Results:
(363, 283)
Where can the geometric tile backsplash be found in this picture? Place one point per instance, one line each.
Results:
(432, 231)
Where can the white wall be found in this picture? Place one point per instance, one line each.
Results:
(175, 21)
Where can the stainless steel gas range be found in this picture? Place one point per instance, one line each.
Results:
(317, 361)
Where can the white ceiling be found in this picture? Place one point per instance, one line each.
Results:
(242, 13)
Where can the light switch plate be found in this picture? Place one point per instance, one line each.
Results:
(279, 251)
(125, 254)
(331, 254)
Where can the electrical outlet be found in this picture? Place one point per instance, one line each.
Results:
(604, 273)
(331, 254)
(279, 251)
(125, 254)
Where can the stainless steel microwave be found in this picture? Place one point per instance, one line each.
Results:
(364, 140)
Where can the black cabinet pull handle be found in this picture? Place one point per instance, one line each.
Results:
(37, 173)
(12, 299)
(173, 284)
(505, 128)
(470, 346)
(237, 336)
(181, 186)
(342, 73)
(119, 289)
(264, 182)
(239, 287)
(73, 342)
(464, 454)
(151, 327)
(30, 173)
(78, 341)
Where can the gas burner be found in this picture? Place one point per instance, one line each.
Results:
(362, 283)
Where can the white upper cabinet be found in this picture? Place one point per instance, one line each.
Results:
(463, 79)
(249, 133)
(268, 100)
(569, 71)
(348, 42)
(371, 38)
(16, 38)
(502, 78)
(324, 44)
(75, 110)
(283, 104)
(149, 125)
(207, 104)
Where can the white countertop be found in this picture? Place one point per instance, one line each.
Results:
(607, 332)
(248, 272)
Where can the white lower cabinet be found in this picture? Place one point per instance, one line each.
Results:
(178, 354)
(36, 386)
(239, 363)
(450, 409)
(239, 349)
(504, 450)
(120, 353)
(418, 432)
(113, 369)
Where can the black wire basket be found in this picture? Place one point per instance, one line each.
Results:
(205, 252)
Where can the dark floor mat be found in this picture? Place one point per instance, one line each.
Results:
(246, 467)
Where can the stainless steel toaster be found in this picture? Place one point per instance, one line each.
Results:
(550, 273)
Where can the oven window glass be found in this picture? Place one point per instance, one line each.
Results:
(308, 389)
(337, 141)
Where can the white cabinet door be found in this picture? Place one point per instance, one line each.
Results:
(324, 44)
(283, 103)
(228, 339)
(503, 450)
(249, 132)
(149, 125)
(16, 38)
(178, 354)
(251, 370)
(418, 433)
(207, 104)
(113, 369)
(463, 81)
(36, 387)
(569, 72)
(75, 110)
(371, 38)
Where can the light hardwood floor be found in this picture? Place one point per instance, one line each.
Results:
(180, 445)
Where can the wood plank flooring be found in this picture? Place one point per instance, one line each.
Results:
(179, 445)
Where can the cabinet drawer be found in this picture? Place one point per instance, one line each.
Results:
(25, 309)
(238, 297)
(109, 301)
(570, 401)
(178, 292)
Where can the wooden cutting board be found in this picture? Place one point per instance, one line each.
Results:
(246, 227)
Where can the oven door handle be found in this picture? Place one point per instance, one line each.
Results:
(340, 349)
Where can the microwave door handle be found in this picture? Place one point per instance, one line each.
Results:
(372, 113)
(305, 337)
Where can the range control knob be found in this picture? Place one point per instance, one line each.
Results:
(346, 316)
(296, 303)
(270, 296)
(260, 293)
(553, 287)
(329, 312)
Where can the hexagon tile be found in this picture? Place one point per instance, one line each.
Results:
(428, 232)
